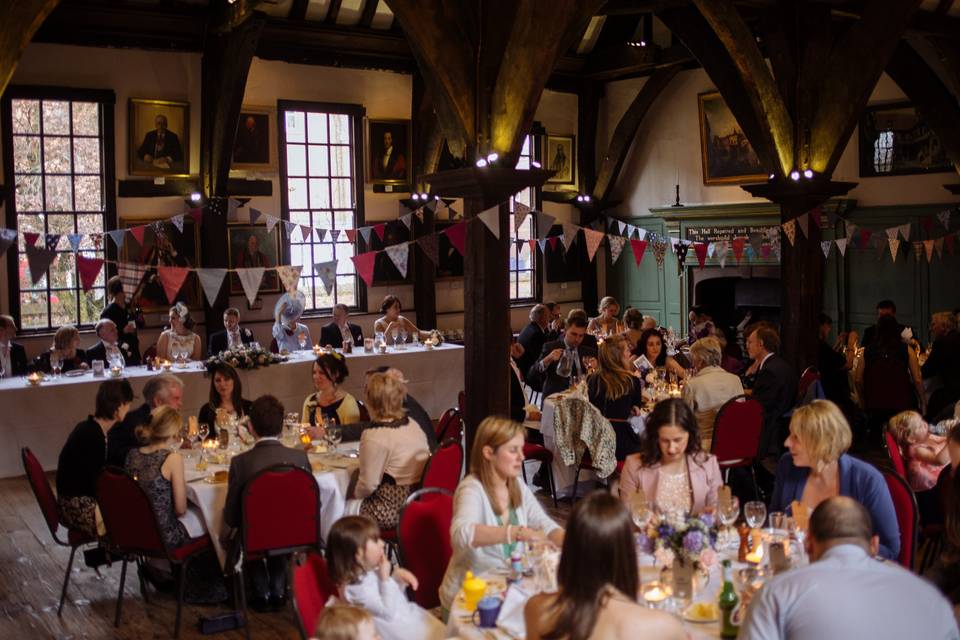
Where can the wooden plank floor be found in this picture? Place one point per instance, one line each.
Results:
(31, 575)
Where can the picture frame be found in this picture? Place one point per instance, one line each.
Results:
(395, 169)
(255, 146)
(251, 245)
(163, 244)
(560, 155)
(895, 140)
(726, 154)
(144, 140)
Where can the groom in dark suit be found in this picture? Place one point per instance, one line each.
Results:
(232, 334)
(332, 333)
(543, 375)
(269, 577)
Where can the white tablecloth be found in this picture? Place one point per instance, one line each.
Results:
(42, 417)
(210, 498)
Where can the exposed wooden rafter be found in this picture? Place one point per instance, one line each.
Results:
(333, 11)
(369, 11)
(298, 9)
(21, 19)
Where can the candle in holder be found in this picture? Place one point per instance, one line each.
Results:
(165, 365)
(655, 594)
(34, 378)
(115, 371)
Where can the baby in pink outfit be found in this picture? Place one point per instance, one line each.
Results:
(924, 453)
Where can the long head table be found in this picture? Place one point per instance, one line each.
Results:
(42, 417)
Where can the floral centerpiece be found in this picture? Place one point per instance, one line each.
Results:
(244, 357)
(678, 537)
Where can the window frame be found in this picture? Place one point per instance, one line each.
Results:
(536, 137)
(107, 100)
(358, 113)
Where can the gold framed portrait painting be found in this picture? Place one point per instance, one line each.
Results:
(158, 141)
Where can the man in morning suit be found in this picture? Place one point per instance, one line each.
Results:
(12, 354)
(269, 577)
(333, 333)
(544, 372)
(231, 336)
(775, 388)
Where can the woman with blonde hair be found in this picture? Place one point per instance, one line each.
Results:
(66, 347)
(492, 509)
(818, 467)
(615, 391)
(607, 323)
(157, 467)
(345, 622)
(179, 337)
(393, 452)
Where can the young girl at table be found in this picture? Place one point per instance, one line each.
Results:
(344, 622)
(360, 569)
(924, 454)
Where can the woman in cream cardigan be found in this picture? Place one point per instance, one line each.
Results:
(492, 509)
(675, 474)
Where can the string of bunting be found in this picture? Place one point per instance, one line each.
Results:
(759, 244)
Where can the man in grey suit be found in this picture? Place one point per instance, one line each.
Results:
(268, 577)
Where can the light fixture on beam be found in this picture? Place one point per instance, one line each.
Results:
(481, 163)
(794, 175)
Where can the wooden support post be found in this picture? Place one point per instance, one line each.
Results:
(228, 50)
(588, 109)
(427, 140)
(20, 20)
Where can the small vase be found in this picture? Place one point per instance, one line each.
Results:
(683, 571)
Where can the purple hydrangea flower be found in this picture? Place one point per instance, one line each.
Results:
(707, 519)
(693, 541)
(664, 531)
(644, 543)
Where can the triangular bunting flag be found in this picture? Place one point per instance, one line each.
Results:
(802, 220)
(322, 235)
(52, 241)
(254, 215)
(944, 218)
(74, 239)
(306, 232)
(172, 279)
(681, 250)
(701, 250)
(825, 247)
(892, 232)
(570, 232)
(756, 241)
(365, 234)
(250, 279)
(928, 248)
(790, 228)
(457, 234)
(428, 244)
(364, 264)
(131, 274)
(7, 238)
(89, 270)
(593, 240)
(520, 213)
(327, 272)
(381, 229)
(232, 207)
(622, 226)
(289, 277)
(351, 234)
(30, 238)
(542, 243)
(894, 245)
(659, 251)
(271, 222)
(738, 248)
(491, 218)
(616, 246)
(178, 222)
(842, 245)
(553, 241)
(138, 232)
(288, 228)
(544, 223)
(721, 249)
(639, 247)
(917, 249)
(938, 245)
(407, 220)
(399, 254)
(905, 231)
(711, 249)
(641, 233)
(117, 236)
(211, 280)
(452, 214)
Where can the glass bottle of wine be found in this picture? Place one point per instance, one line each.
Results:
(727, 603)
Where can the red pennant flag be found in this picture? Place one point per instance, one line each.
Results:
(364, 263)
(926, 222)
(380, 229)
(89, 269)
(172, 279)
(138, 232)
(352, 235)
(738, 248)
(533, 244)
(638, 246)
(701, 249)
(949, 241)
(865, 238)
(30, 238)
(552, 241)
(457, 234)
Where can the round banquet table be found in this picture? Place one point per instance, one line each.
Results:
(42, 417)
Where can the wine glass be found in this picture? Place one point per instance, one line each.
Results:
(640, 511)
(394, 333)
(56, 364)
(302, 340)
(728, 514)
(334, 435)
(755, 512)
(565, 364)
(203, 430)
(403, 335)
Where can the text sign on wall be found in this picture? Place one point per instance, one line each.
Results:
(715, 234)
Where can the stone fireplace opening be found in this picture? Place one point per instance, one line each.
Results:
(730, 293)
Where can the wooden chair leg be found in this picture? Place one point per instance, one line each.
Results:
(66, 580)
(181, 577)
(143, 580)
(243, 601)
(553, 485)
(123, 578)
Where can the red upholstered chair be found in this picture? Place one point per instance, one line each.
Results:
(425, 540)
(450, 425)
(312, 588)
(896, 456)
(364, 412)
(51, 514)
(736, 435)
(908, 518)
(280, 515)
(538, 452)
(807, 378)
(444, 468)
(133, 534)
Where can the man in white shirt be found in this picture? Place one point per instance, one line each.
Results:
(108, 347)
(231, 336)
(846, 592)
(13, 357)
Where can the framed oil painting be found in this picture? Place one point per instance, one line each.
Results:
(158, 140)
(895, 140)
(560, 155)
(254, 148)
(727, 155)
(388, 151)
(163, 245)
(251, 245)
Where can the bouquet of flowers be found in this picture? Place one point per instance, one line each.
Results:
(674, 536)
(244, 357)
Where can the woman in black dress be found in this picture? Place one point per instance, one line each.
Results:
(84, 455)
(66, 346)
(615, 391)
(226, 397)
(127, 319)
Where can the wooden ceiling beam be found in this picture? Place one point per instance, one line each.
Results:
(369, 11)
(298, 10)
(333, 11)
(21, 19)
